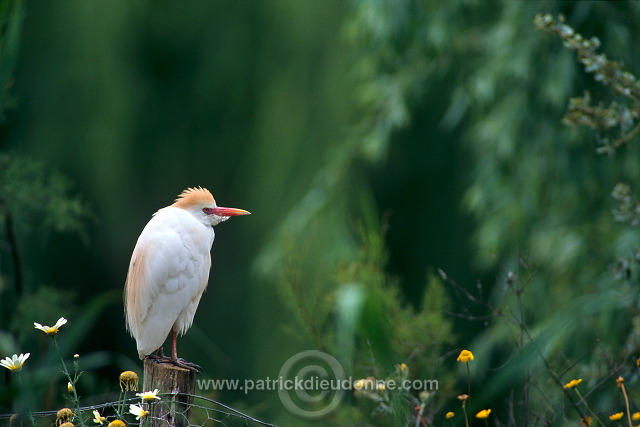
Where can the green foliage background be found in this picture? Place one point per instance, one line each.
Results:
(377, 143)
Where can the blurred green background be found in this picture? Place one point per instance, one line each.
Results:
(373, 142)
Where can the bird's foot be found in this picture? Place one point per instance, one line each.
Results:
(181, 363)
(159, 358)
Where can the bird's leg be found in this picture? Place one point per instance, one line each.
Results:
(174, 355)
(158, 356)
(174, 343)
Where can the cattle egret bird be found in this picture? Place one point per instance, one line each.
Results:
(169, 270)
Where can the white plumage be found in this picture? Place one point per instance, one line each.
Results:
(169, 269)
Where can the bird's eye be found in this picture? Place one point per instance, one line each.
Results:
(207, 211)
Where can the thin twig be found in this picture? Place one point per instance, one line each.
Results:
(626, 138)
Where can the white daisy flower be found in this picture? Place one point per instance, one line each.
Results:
(138, 411)
(98, 419)
(15, 362)
(149, 396)
(51, 330)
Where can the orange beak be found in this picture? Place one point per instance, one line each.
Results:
(220, 211)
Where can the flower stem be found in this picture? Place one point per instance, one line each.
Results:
(146, 418)
(466, 418)
(76, 400)
(120, 407)
(468, 382)
(32, 420)
(626, 401)
(588, 408)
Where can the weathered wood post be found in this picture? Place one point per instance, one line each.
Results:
(174, 410)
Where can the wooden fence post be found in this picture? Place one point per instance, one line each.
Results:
(173, 410)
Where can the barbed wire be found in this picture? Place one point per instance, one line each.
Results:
(233, 412)
(201, 412)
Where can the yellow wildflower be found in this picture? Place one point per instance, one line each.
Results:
(465, 356)
(117, 423)
(64, 415)
(635, 416)
(369, 384)
(128, 381)
(449, 415)
(483, 414)
(573, 383)
(616, 417)
(585, 421)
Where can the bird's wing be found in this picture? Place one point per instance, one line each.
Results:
(168, 271)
